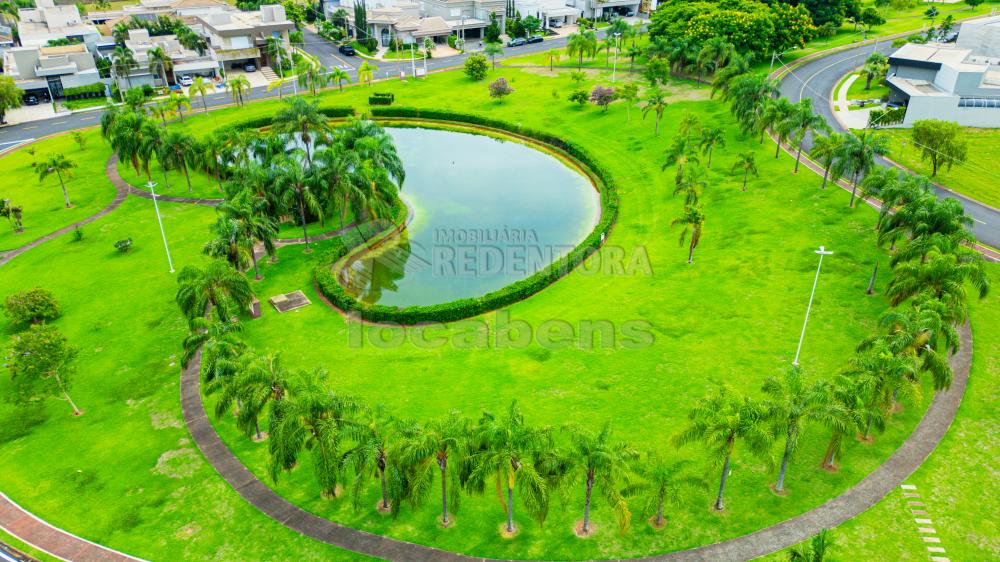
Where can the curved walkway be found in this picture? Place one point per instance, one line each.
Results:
(112, 172)
(884, 479)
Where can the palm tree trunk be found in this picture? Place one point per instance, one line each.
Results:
(854, 189)
(63, 185)
(831, 450)
(302, 215)
(777, 147)
(871, 282)
(691, 252)
(204, 104)
(657, 133)
(385, 497)
(586, 503)
(443, 465)
(780, 485)
(186, 175)
(218, 177)
(797, 158)
(709, 165)
(659, 513)
(746, 173)
(510, 509)
(256, 427)
(722, 485)
(826, 174)
(256, 269)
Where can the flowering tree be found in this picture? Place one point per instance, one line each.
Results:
(500, 88)
(602, 96)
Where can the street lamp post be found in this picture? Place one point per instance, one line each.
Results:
(822, 251)
(614, 69)
(152, 191)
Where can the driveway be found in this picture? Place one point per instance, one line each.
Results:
(27, 113)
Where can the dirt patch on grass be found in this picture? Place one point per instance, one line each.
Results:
(178, 463)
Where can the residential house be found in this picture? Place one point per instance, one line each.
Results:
(981, 36)
(46, 22)
(551, 13)
(936, 81)
(602, 9)
(39, 70)
(183, 61)
(403, 22)
(237, 38)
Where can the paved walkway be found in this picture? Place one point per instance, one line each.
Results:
(32, 530)
(874, 487)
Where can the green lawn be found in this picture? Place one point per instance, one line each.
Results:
(857, 90)
(203, 185)
(44, 208)
(126, 474)
(973, 178)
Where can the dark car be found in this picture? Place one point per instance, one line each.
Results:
(535, 39)
(346, 50)
(31, 100)
(517, 42)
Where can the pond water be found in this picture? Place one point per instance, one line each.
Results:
(486, 213)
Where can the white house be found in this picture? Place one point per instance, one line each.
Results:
(946, 82)
(47, 22)
(236, 38)
(42, 69)
(552, 13)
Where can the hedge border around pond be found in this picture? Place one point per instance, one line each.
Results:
(326, 279)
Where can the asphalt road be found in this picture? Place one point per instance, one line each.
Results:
(817, 78)
(12, 135)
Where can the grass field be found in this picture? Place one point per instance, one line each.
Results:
(126, 474)
(44, 209)
(974, 177)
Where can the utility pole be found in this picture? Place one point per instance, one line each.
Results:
(822, 251)
(156, 207)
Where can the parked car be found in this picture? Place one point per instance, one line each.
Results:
(556, 24)
(249, 67)
(346, 50)
(31, 100)
(535, 39)
(517, 42)
(185, 80)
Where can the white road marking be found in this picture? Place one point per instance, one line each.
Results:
(977, 220)
(58, 122)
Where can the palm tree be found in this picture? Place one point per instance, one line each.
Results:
(493, 50)
(310, 417)
(715, 54)
(237, 87)
(725, 76)
(59, 165)
(845, 392)
(690, 184)
(581, 44)
(746, 162)
(177, 150)
(943, 276)
(221, 345)
(775, 117)
(201, 88)
(656, 102)
(687, 125)
(824, 150)
(212, 148)
(749, 95)
(366, 72)
(506, 447)
(231, 242)
(178, 102)
(815, 551)
(603, 463)
(680, 154)
(855, 156)
(295, 186)
(882, 375)
(694, 220)
(711, 138)
(664, 483)
(429, 447)
(217, 288)
(369, 457)
(553, 57)
(159, 61)
(790, 404)
(260, 382)
(162, 110)
(338, 76)
(311, 76)
(123, 60)
(875, 65)
(302, 118)
(800, 123)
(722, 419)
(244, 222)
(120, 33)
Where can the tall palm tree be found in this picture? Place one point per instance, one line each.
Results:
(656, 102)
(59, 165)
(690, 184)
(366, 72)
(875, 65)
(295, 187)
(217, 288)
(688, 124)
(680, 154)
(221, 345)
(824, 150)
(801, 123)
(370, 433)
(506, 449)
(231, 242)
(746, 162)
(715, 54)
(775, 117)
(603, 463)
(302, 118)
(581, 44)
(238, 87)
(244, 222)
(159, 61)
(260, 382)
(178, 103)
(310, 417)
(664, 483)
(429, 448)
(719, 421)
(554, 56)
(737, 66)
(177, 151)
(855, 156)
(923, 331)
(883, 377)
(847, 394)
(710, 138)
(338, 76)
(692, 220)
(311, 76)
(212, 148)
(123, 61)
(790, 405)
(749, 95)
(200, 87)
(493, 50)
(943, 276)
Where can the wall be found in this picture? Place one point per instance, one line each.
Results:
(946, 108)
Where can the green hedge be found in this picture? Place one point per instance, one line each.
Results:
(90, 90)
(265, 121)
(519, 290)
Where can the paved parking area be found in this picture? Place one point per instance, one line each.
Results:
(27, 113)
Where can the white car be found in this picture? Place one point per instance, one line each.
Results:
(185, 80)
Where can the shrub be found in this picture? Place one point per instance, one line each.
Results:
(451, 41)
(522, 289)
(148, 90)
(381, 98)
(500, 88)
(476, 67)
(33, 306)
(124, 246)
(77, 234)
(580, 97)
